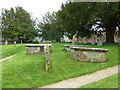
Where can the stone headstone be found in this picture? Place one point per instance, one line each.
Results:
(100, 41)
(21, 41)
(14, 43)
(79, 39)
(6, 42)
(47, 57)
(84, 40)
(74, 39)
(103, 37)
(93, 39)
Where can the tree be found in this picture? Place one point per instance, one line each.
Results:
(17, 23)
(50, 27)
(77, 17)
(108, 12)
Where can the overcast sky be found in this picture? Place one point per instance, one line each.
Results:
(34, 7)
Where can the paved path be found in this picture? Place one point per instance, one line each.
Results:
(6, 58)
(85, 79)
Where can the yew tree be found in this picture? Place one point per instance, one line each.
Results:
(17, 23)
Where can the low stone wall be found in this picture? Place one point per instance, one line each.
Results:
(88, 54)
(35, 48)
(68, 47)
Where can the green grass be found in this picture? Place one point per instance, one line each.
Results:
(28, 71)
(10, 50)
(0, 76)
(109, 82)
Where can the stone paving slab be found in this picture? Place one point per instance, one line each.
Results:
(6, 58)
(85, 79)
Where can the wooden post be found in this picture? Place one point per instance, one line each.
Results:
(14, 43)
(47, 57)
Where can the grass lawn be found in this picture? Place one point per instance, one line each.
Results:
(109, 82)
(0, 76)
(10, 50)
(28, 71)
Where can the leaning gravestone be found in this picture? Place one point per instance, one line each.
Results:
(47, 57)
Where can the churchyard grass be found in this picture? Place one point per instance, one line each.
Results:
(28, 71)
(11, 50)
(109, 82)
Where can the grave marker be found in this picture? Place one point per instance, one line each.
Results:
(74, 39)
(6, 42)
(14, 43)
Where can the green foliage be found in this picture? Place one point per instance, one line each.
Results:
(10, 50)
(77, 17)
(50, 27)
(28, 71)
(0, 76)
(109, 14)
(35, 42)
(109, 82)
(17, 23)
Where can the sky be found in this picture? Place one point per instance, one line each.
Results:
(35, 7)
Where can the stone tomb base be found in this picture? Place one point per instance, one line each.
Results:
(88, 54)
(68, 47)
(35, 48)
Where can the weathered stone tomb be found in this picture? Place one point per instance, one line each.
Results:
(35, 48)
(88, 54)
(68, 47)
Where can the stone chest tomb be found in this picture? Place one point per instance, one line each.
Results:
(68, 47)
(88, 54)
(35, 48)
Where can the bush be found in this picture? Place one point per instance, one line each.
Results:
(35, 42)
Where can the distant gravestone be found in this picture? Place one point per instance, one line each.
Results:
(100, 40)
(14, 43)
(117, 36)
(6, 42)
(47, 57)
(74, 39)
(79, 39)
(21, 41)
(93, 39)
(84, 40)
(103, 38)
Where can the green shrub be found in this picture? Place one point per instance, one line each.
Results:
(35, 42)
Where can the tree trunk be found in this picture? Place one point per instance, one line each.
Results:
(110, 36)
